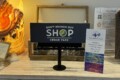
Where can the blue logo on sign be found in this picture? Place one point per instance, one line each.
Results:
(96, 35)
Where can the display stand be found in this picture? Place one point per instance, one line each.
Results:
(59, 47)
(59, 67)
(68, 37)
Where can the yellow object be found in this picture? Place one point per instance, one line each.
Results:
(11, 27)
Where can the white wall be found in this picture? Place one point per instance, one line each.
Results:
(30, 9)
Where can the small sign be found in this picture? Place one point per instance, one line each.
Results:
(58, 32)
(94, 50)
(104, 18)
(4, 50)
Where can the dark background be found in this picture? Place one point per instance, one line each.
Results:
(38, 32)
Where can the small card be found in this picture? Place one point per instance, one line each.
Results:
(94, 50)
(4, 47)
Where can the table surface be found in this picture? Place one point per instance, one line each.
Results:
(26, 68)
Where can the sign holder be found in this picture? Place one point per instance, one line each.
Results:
(59, 67)
(55, 46)
(64, 40)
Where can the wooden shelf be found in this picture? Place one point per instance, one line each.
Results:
(26, 69)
